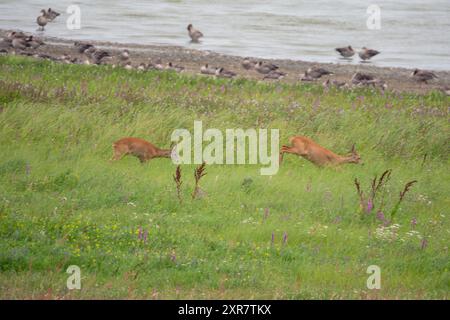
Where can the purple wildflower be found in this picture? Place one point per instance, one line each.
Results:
(413, 222)
(145, 236)
(380, 216)
(284, 238)
(272, 239)
(173, 256)
(369, 206)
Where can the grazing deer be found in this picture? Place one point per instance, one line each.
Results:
(317, 154)
(139, 148)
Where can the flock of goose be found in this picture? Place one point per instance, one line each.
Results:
(21, 43)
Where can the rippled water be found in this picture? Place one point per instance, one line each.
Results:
(414, 33)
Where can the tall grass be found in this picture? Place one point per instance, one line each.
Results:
(298, 234)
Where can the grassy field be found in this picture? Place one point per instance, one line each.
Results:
(300, 234)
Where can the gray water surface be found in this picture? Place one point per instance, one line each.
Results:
(413, 33)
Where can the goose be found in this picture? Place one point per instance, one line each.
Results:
(4, 46)
(16, 34)
(221, 72)
(363, 79)
(346, 52)
(316, 72)
(248, 63)
(45, 56)
(82, 47)
(446, 90)
(157, 65)
(373, 83)
(265, 68)
(97, 55)
(423, 76)
(51, 14)
(366, 54)
(42, 20)
(19, 43)
(171, 66)
(207, 70)
(124, 55)
(359, 77)
(306, 78)
(142, 66)
(194, 33)
(128, 66)
(333, 83)
(274, 74)
(65, 58)
(33, 42)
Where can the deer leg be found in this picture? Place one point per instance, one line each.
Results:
(117, 155)
(142, 159)
(286, 149)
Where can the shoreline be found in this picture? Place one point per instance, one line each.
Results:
(397, 78)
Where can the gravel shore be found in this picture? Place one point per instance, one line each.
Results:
(397, 79)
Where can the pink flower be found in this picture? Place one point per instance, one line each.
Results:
(369, 206)
(145, 236)
(380, 216)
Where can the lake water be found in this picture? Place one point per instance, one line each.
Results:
(414, 33)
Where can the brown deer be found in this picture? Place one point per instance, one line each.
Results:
(308, 149)
(139, 148)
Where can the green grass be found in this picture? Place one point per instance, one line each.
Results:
(63, 203)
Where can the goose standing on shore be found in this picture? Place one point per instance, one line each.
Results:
(42, 20)
(423, 76)
(194, 33)
(346, 52)
(366, 54)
